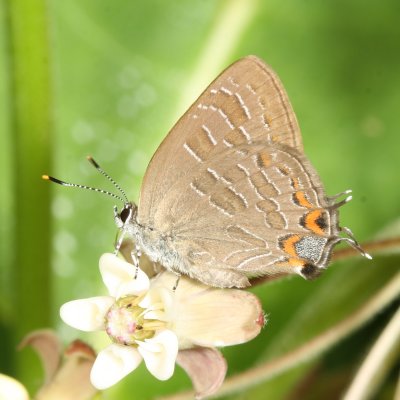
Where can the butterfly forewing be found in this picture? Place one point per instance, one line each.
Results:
(247, 102)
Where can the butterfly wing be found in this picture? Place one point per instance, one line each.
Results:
(230, 188)
(254, 210)
(246, 102)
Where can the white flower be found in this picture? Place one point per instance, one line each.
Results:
(147, 320)
(135, 334)
(10, 388)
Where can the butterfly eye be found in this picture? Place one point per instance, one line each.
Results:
(125, 213)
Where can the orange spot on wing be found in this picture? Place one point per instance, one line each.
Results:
(302, 200)
(310, 222)
(283, 169)
(268, 121)
(288, 244)
(291, 262)
(296, 262)
(295, 183)
(265, 158)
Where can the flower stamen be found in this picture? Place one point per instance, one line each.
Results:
(125, 322)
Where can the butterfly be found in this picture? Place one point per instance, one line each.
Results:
(229, 194)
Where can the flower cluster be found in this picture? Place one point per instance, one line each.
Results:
(148, 320)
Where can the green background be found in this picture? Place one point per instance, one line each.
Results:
(109, 79)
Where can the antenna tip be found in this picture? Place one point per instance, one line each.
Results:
(91, 160)
(55, 180)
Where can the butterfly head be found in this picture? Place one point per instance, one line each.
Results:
(126, 215)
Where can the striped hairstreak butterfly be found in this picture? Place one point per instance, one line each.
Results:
(229, 193)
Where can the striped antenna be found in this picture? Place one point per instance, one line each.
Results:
(104, 173)
(68, 184)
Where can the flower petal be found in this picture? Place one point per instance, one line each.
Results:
(209, 317)
(119, 276)
(159, 354)
(10, 388)
(48, 347)
(206, 368)
(157, 302)
(86, 314)
(72, 378)
(112, 364)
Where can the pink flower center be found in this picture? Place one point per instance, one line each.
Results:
(125, 322)
(121, 325)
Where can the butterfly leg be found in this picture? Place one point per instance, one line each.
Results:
(178, 278)
(136, 253)
(119, 240)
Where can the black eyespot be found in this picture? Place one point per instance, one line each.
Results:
(321, 222)
(310, 271)
(125, 213)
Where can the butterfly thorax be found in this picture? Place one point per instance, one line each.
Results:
(156, 245)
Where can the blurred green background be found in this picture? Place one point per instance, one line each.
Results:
(109, 79)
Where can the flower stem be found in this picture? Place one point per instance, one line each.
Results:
(373, 246)
(380, 359)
